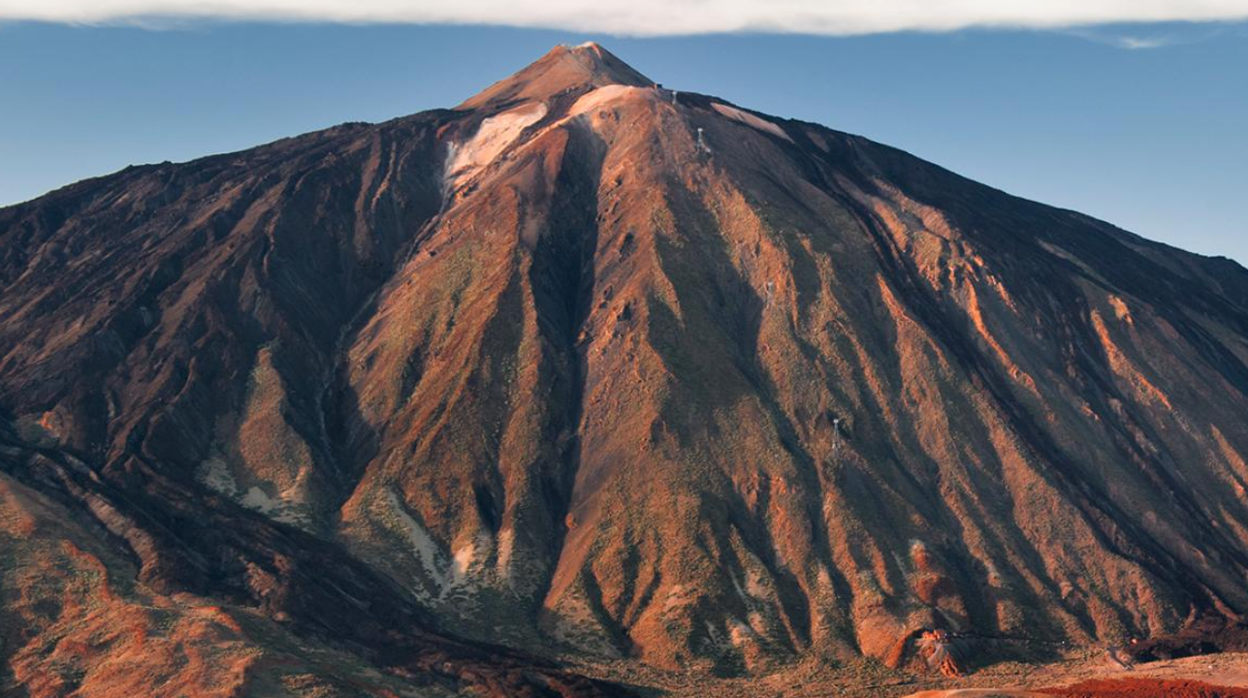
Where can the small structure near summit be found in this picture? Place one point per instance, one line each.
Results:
(702, 147)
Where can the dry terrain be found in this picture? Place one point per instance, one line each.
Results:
(586, 387)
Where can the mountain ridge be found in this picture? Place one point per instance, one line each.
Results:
(587, 366)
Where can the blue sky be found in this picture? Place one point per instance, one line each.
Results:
(1154, 140)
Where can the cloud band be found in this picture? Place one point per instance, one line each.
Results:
(652, 17)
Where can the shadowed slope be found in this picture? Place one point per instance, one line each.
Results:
(588, 365)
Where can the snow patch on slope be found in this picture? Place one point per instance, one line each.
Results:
(752, 121)
(215, 473)
(493, 136)
(463, 560)
(447, 576)
(598, 98)
(424, 549)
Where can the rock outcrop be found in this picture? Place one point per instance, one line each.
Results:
(586, 365)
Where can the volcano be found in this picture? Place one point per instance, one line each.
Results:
(590, 370)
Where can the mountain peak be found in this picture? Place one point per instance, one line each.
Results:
(595, 371)
(563, 70)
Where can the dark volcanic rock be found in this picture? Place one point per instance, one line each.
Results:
(586, 365)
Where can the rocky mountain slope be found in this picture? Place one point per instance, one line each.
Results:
(586, 366)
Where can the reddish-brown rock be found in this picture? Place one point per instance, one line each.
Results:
(1147, 688)
(587, 365)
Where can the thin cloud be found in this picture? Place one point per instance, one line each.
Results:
(1174, 35)
(656, 17)
(1135, 43)
(1126, 41)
